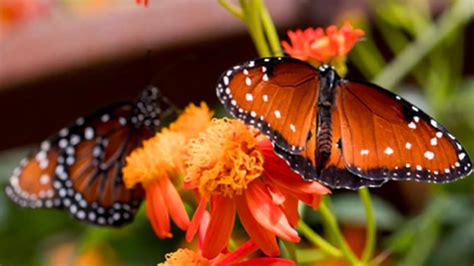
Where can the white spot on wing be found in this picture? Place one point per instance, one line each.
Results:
(461, 156)
(89, 133)
(388, 151)
(292, 127)
(249, 97)
(429, 155)
(439, 134)
(265, 98)
(408, 145)
(412, 125)
(364, 152)
(434, 141)
(416, 119)
(248, 81)
(277, 114)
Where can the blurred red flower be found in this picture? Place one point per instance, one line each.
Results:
(318, 46)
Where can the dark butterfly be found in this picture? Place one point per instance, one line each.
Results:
(79, 169)
(344, 133)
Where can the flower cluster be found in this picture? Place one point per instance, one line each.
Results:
(319, 46)
(234, 172)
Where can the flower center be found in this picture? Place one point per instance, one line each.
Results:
(224, 159)
(185, 257)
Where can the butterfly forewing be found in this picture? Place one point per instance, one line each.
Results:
(271, 94)
(384, 136)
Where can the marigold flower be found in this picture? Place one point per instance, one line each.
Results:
(230, 166)
(318, 46)
(187, 257)
(159, 164)
(193, 120)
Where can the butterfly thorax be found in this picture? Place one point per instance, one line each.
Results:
(149, 109)
(328, 81)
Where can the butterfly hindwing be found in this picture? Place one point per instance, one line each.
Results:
(386, 137)
(334, 174)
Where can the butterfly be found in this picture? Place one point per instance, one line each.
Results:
(343, 133)
(79, 169)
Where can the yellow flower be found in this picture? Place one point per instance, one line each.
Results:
(159, 164)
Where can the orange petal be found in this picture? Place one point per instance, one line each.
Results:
(265, 239)
(174, 203)
(266, 262)
(156, 211)
(267, 213)
(194, 225)
(220, 227)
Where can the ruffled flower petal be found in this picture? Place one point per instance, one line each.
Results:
(174, 204)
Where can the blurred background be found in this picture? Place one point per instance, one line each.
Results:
(60, 59)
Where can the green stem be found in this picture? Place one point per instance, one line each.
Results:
(317, 240)
(251, 9)
(364, 195)
(410, 56)
(331, 221)
(270, 30)
(290, 248)
(237, 12)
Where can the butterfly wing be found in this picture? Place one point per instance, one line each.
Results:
(31, 184)
(276, 96)
(334, 174)
(386, 137)
(80, 168)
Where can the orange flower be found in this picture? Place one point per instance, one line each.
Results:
(318, 47)
(230, 166)
(159, 164)
(186, 257)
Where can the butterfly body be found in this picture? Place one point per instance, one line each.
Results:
(344, 133)
(79, 169)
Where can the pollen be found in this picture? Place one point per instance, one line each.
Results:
(162, 155)
(224, 159)
(183, 257)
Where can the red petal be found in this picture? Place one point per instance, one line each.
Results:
(156, 211)
(242, 252)
(277, 171)
(290, 207)
(266, 262)
(220, 227)
(265, 239)
(174, 203)
(277, 196)
(206, 218)
(267, 213)
(194, 225)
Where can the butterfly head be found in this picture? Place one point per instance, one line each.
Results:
(151, 108)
